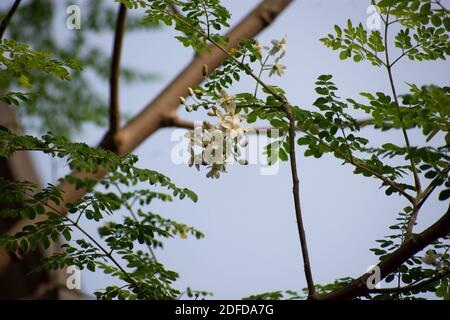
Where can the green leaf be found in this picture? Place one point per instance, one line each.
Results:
(67, 235)
(387, 3)
(444, 195)
(23, 245)
(389, 278)
(90, 266)
(436, 20)
(343, 55)
(446, 22)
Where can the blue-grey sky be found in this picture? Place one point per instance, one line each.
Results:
(251, 242)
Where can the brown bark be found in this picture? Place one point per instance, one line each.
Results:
(17, 281)
(114, 103)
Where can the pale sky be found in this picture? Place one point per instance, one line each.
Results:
(251, 244)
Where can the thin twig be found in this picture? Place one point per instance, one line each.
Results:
(405, 53)
(7, 19)
(263, 64)
(430, 188)
(418, 188)
(360, 164)
(394, 93)
(438, 2)
(296, 192)
(135, 218)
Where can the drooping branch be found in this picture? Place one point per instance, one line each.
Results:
(393, 261)
(6, 20)
(114, 103)
(152, 117)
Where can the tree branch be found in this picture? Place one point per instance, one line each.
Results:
(114, 103)
(296, 193)
(404, 54)
(6, 20)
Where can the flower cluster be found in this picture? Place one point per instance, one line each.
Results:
(212, 145)
(278, 50)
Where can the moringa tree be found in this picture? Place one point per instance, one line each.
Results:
(416, 29)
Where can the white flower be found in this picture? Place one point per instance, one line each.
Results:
(212, 137)
(258, 47)
(233, 126)
(214, 112)
(228, 102)
(277, 69)
(431, 258)
(196, 159)
(278, 46)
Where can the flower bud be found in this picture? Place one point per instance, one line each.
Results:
(205, 70)
(198, 93)
(243, 162)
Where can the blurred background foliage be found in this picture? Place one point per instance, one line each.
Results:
(65, 107)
